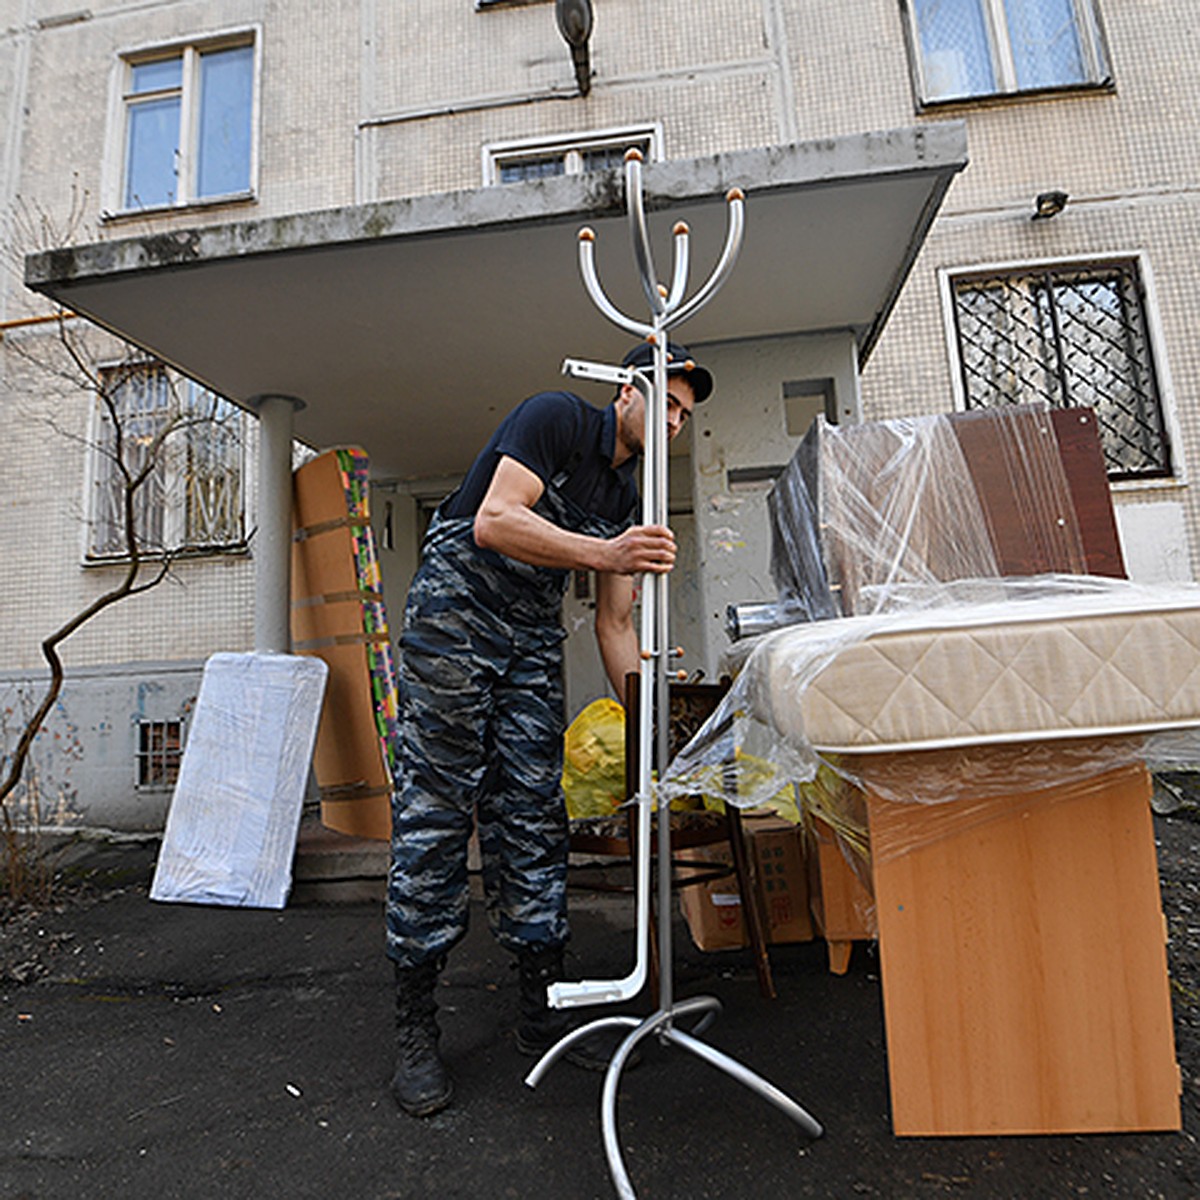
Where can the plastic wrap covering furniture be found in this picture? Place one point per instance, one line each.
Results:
(797, 565)
(958, 545)
(231, 830)
(973, 732)
(863, 510)
(1075, 675)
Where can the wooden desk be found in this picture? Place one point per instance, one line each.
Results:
(1024, 963)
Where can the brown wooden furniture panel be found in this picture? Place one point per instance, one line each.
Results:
(1083, 461)
(1009, 461)
(1009, 457)
(841, 906)
(1024, 964)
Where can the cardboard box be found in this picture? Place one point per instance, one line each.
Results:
(713, 910)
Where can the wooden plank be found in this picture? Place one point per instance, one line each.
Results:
(841, 906)
(1024, 963)
(1078, 435)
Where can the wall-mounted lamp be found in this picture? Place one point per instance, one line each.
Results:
(1049, 204)
(574, 19)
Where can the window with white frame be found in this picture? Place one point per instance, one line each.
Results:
(1072, 335)
(539, 158)
(190, 445)
(974, 48)
(188, 124)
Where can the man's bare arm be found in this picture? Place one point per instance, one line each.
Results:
(507, 523)
(614, 629)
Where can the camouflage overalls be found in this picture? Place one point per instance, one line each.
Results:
(482, 719)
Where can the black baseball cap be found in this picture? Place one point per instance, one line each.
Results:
(679, 362)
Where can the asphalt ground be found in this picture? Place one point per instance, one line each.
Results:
(163, 1051)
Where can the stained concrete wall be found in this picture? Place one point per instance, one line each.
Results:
(82, 772)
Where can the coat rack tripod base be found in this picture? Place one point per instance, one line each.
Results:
(662, 1025)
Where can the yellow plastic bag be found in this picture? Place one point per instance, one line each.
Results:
(710, 780)
(593, 778)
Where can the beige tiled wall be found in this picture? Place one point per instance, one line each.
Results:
(706, 117)
(386, 98)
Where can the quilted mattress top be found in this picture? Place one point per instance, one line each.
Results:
(1058, 666)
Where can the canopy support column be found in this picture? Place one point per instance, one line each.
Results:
(273, 539)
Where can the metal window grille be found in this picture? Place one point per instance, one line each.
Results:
(535, 167)
(538, 162)
(141, 403)
(159, 753)
(194, 497)
(1071, 336)
(600, 158)
(213, 478)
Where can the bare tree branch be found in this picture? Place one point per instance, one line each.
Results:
(134, 467)
(50, 646)
(132, 447)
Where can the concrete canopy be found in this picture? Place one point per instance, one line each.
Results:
(410, 326)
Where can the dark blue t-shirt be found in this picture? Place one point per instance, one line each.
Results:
(550, 433)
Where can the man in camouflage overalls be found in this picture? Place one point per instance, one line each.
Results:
(482, 713)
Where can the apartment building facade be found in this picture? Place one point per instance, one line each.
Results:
(1058, 267)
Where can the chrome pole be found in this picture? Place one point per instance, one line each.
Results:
(668, 309)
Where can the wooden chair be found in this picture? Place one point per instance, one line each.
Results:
(690, 704)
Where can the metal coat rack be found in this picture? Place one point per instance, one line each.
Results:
(668, 309)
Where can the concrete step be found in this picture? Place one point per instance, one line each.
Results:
(332, 868)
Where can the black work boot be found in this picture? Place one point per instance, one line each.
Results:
(540, 1025)
(420, 1085)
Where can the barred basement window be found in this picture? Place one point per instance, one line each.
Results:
(1071, 335)
(159, 753)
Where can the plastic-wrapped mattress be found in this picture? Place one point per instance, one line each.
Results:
(1056, 667)
(1068, 675)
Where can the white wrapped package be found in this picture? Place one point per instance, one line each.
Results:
(231, 831)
